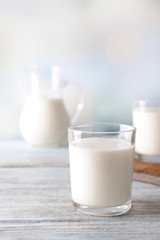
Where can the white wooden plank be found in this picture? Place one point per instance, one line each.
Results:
(35, 201)
(41, 193)
(20, 154)
(33, 178)
(114, 230)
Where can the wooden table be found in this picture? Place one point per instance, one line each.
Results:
(35, 201)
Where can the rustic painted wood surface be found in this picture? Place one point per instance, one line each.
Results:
(35, 201)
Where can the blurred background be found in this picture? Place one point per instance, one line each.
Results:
(112, 47)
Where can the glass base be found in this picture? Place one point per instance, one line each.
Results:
(148, 158)
(103, 211)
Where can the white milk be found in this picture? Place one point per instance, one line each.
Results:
(147, 122)
(101, 172)
(44, 121)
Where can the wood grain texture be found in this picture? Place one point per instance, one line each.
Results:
(147, 172)
(35, 201)
(147, 167)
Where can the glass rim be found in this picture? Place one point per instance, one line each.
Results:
(79, 128)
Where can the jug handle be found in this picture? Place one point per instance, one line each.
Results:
(75, 115)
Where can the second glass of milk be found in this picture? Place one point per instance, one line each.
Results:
(146, 118)
(101, 166)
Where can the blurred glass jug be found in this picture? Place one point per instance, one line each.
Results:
(45, 117)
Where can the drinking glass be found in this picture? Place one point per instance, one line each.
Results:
(101, 166)
(146, 118)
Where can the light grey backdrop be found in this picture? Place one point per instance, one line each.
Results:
(111, 47)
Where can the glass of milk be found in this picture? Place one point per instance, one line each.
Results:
(146, 118)
(101, 166)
